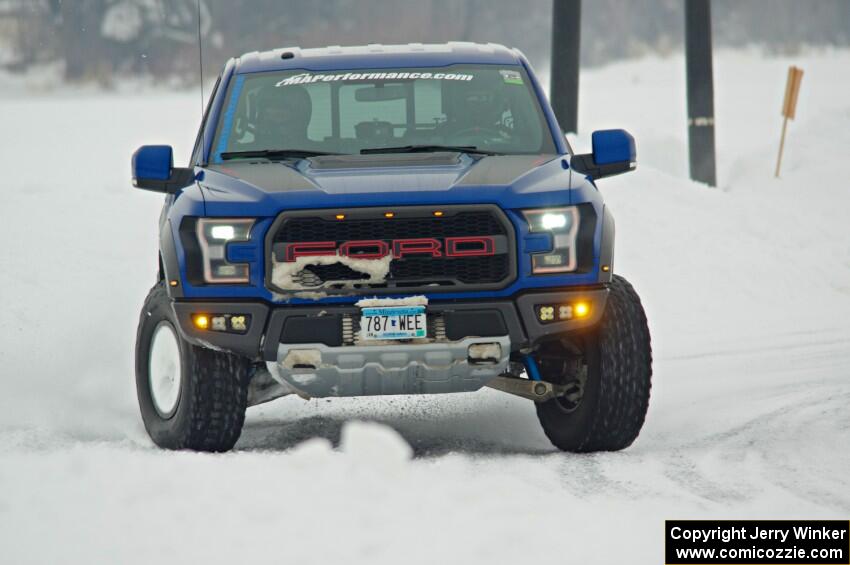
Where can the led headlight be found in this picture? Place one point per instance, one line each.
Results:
(213, 236)
(562, 223)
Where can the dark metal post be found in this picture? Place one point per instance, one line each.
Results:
(566, 41)
(700, 79)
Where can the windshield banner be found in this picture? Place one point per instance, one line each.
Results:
(307, 78)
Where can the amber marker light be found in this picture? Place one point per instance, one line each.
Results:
(340, 216)
(389, 214)
(606, 268)
(201, 321)
(438, 213)
(581, 309)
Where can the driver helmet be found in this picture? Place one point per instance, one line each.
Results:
(479, 102)
(283, 113)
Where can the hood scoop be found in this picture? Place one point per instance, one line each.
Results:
(330, 162)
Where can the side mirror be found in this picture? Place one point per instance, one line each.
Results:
(153, 169)
(613, 154)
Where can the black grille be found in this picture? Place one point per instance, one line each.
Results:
(319, 229)
(336, 272)
(421, 272)
(469, 270)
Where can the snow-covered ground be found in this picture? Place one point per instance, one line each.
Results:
(747, 288)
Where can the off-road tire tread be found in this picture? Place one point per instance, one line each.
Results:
(218, 390)
(219, 400)
(625, 374)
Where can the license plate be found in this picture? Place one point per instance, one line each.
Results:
(394, 322)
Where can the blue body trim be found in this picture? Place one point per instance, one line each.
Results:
(531, 368)
(153, 162)
(215, 110)
(549, 114)
(538, 243)
(612, 146)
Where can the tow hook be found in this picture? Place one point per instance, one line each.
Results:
(538, 391)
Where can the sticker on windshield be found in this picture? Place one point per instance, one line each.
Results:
(511, 77)
(309, 78)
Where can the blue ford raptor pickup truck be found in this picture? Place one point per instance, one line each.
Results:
(385, 220)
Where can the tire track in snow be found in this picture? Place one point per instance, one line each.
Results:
(796, 396)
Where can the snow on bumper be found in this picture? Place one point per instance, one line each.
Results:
(424, 368)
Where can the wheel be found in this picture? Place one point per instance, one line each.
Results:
(190, 397)
(608, 373)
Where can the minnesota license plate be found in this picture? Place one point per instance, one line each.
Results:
(394, 322)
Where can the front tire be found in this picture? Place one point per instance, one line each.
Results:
(611, 367)
(190, 397)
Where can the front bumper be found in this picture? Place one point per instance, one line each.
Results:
(318, 370)
(274, 325)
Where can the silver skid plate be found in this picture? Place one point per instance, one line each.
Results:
(318, 370)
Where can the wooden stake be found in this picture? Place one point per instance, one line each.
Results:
(781, 146)
(789, 107)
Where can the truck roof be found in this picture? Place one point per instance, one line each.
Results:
(378, 56)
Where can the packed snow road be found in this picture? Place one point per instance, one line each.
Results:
(747, 290)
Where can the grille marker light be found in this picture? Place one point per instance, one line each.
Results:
(438, 213)
(389, 214)
(340, 216)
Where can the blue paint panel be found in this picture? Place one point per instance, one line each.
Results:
(242, 253)
(538, 243)
(554, 128)
(153, 162)
(546, 185)
(612, 146)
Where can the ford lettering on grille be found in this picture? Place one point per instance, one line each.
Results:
(470, 246)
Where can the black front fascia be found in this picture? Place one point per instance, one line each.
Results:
(321, 323)
(400, 214)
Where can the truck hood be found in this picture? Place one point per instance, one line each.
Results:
(263, 188)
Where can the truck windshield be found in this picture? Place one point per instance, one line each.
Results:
(488, 108)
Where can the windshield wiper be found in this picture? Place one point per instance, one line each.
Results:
(274, 154)
(427, 149)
